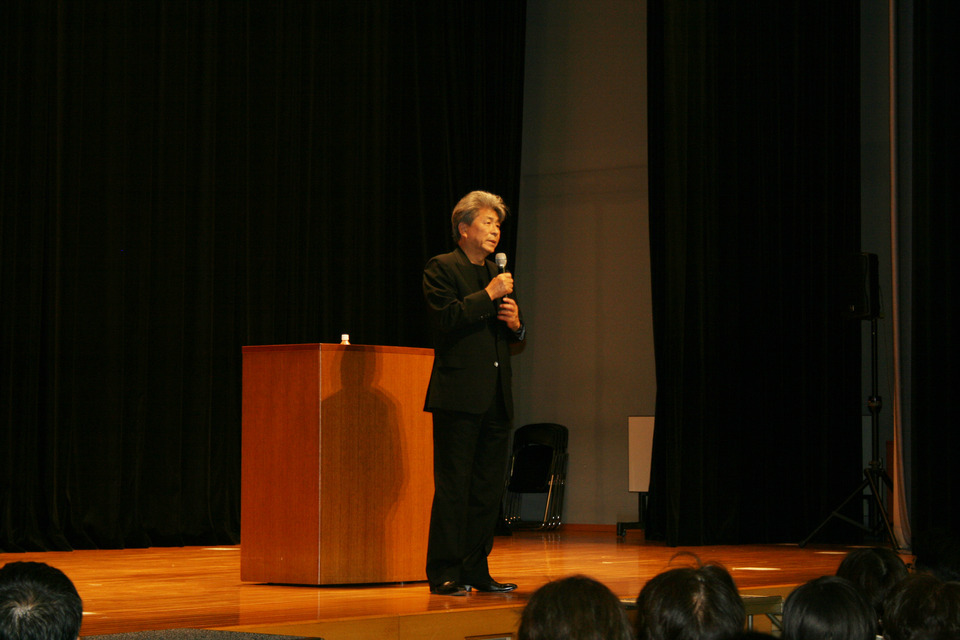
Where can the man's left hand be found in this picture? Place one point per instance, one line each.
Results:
(509, 312)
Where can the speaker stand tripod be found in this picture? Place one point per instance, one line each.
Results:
(874, 476)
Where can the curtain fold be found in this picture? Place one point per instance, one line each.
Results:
(754, 116)
(935, 346)
(178, 180)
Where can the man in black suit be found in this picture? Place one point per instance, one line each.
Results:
(470, 396)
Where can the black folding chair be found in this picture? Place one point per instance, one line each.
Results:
(538, 466)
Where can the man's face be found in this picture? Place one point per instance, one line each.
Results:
(483, 234)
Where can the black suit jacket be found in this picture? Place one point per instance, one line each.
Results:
(471, 347)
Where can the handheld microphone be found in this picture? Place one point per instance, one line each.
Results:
(501, 260)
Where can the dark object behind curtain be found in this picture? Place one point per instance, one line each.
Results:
(180, 179)
(754, 119)
(935, 426)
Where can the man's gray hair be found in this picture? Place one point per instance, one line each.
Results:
(470, 204)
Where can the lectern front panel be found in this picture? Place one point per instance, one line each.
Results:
(337, 464)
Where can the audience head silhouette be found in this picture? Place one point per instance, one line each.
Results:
(874, 571)
(828, 608)
(38, 602)
(690, 603)
(922, 607)
(574, 608)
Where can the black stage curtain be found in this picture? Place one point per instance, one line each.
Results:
(754, 156)
(180, 179)
(935, 428)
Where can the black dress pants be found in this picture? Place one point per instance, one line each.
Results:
(469, 470)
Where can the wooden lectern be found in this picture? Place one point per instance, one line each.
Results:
(337, 471)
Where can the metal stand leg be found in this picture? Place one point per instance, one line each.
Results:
(874, 475)
(642, 516)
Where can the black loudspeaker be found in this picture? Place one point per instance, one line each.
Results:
(863, 287)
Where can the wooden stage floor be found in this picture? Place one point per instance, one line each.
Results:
(199, 587)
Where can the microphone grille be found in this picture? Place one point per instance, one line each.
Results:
(501, 259)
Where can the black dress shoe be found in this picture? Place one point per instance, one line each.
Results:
(448, 588)
(492, 586)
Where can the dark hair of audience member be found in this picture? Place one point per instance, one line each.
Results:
(874, 571)
(38, 602)
(574, 608)
(922, 607)
(690, 603)
(828, 608)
